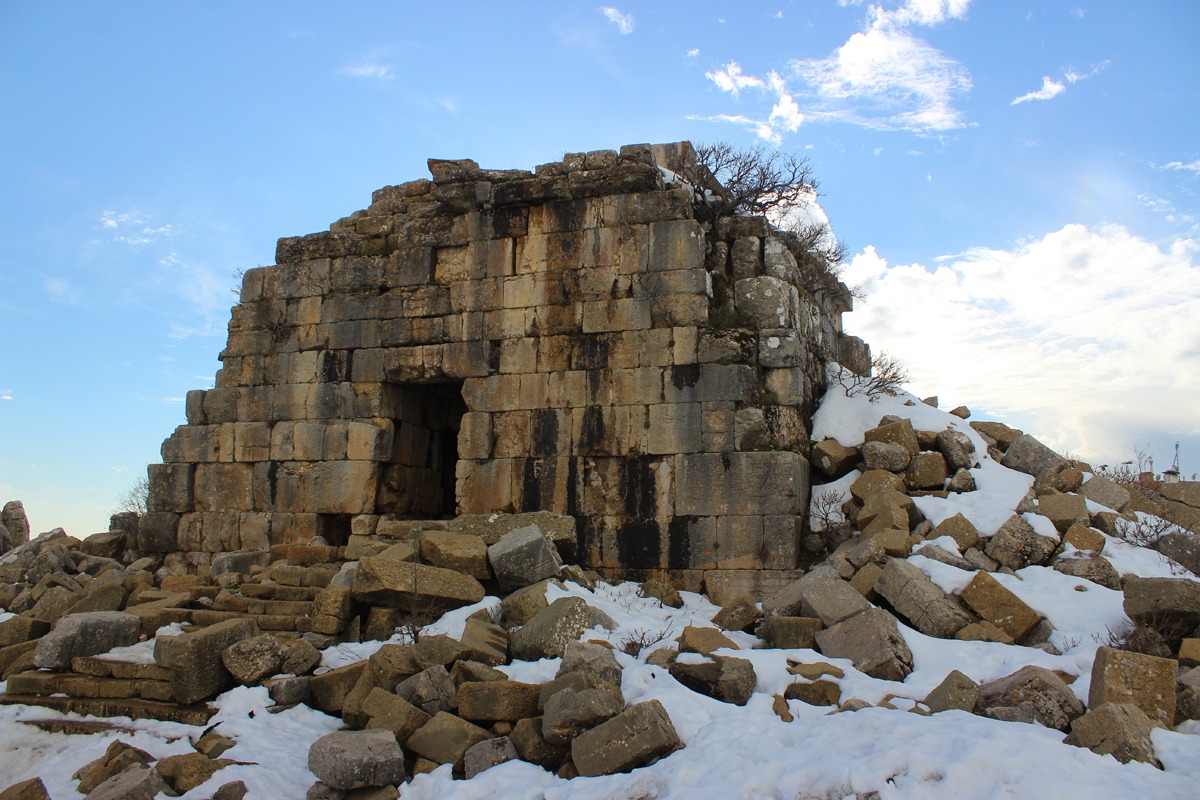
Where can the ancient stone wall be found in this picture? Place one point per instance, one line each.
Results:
(584, 339)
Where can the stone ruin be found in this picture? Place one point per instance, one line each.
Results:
(588, 339)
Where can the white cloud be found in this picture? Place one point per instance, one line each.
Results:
(882, 77)
(695, 51)
(368, 69)
(1086, 337)
(623, 21)
(1075, 77)
(130, 227)
(1050, 88)
(61, 290)
(1179, 166)
(730, 79)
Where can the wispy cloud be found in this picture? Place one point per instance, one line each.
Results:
(1179, 166)
(370, 70)
(695, 51)
(61, 290)
(131, 227)
(623, 21)
(882, 77)
(1050, 88)
(1028, 333)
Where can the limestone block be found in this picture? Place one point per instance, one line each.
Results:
(676, 244)
(890, 456)
(251, 660)
(675, 428)
(767, 302)
(170, 487)
(998, 432)
(1081, 537)
(224, 487)
(459, 552)
(493, 701)
(1107, 493)
(900, 432)
(703, 640)
(1026, 454)
(833, 459)
(790, 633)
(133, 783)
(1031, 694)
(1169, 605)
(523, 557)
(913, 595)
(820, 593)
(1064, 510)
(1182, 547)
(388, 712)
(874, 481)
(1121, 730)
(84, 634)
(393, 583)
(785, 387)
(157, 532)
(745, 257)
(347, 760)
(872, 641)
(640, 733)
(445, 739)
(1096, 569)
(739, 542)
(251, 441)
(197, 670)
(724, 678)
(957, 448)
(709, 383)
(549, 631)
(1017, 545)
(988, 598)
(712, 484)
(956, 692)
(926, 471)
(1148, 682)
(430, 690)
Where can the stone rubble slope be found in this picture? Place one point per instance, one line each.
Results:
(440, 656)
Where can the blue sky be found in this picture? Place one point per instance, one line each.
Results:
(1017, 183)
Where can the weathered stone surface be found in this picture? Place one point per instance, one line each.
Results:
(523, 557)
(1185, 492)
(926, 471)
(913, 595)
(16, 630)
(1017, 545)
(485, 642)
(402, 584)
(957, 448)
(740, 615)
(390, 712)
(532, 746)
(300, 658)
(1097, 569)
(136, 782)
(703, 640)
(521, 606)
(593, 659)
(1105, 492)
(988, 598)
(430, 690)
(1026, 454)
(788, 633)
(873, 481)
(117, 756)
(32, 789)
(956, 692)
(1121, 730)
(460, 552)
(549, 632)
(1182, 547)
(197, 670)
(724, 678)
(287, 690)
(493, 701)
(872, 641)
(833, 459)
(900, 432)
(355, 759)
(251, 660)
(637, 735)
(1148, 682)
(888, 500)
(569, 712)
(958, 528)
(85, 635)
(487, 754)
(445, 739)
(186, 771)
(1064, 510)
(330, 689)
(821, 594)
(1169, 605)
(1031, 694)
(890, 456)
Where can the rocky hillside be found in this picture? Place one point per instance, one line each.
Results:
(994, 620)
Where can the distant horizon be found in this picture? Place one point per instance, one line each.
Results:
(1017, 186)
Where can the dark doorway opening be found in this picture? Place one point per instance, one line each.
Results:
(419, 480)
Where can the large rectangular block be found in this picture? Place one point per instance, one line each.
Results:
(706, 383)
(676, 244)
(675, 428)
(170, 487)
(224, 487)
(720, 484)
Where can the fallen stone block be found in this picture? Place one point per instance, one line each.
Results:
(197, 670)
(1120, 730)
(988, 598)
(549, 632)
(890, 456)
(430, 690)
(186, 771)
(135, 782)
(1182, 547)
(1031, 694)
(703, 640)
(1097, 569)
(487, 754)
(919, 600)
(251, 660)
(631, 739)
(1064, 510)
(1148, 682)
(724, 678)
(383, 581)
(390, 712)
(570, 712)
(485, 642)
(117, 756)
(1169, 605)
(532, 746)
(1106, 492)
(32, 789)
(815, 693)
(1017, 545)
(523, 557)
(85, 635)
(521, 606)
(593, 659)
(445, 739)
(833, 459)
(460, 552)
(1026, 454)
(956, 692)
(494, 701)
(355, 759)
(872, 641)
(821, 594)
(740, 615)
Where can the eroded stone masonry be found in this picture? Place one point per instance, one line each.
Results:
(587, 339)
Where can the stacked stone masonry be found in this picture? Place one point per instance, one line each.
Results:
(584, 339)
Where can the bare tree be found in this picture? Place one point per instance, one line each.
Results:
(888, 376)
(754, 181)
(133, 500)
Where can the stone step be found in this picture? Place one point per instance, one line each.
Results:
(87, 686)
(109, 707)
(78, 727)
(275, 591)
(104, 668)
(266, 622)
